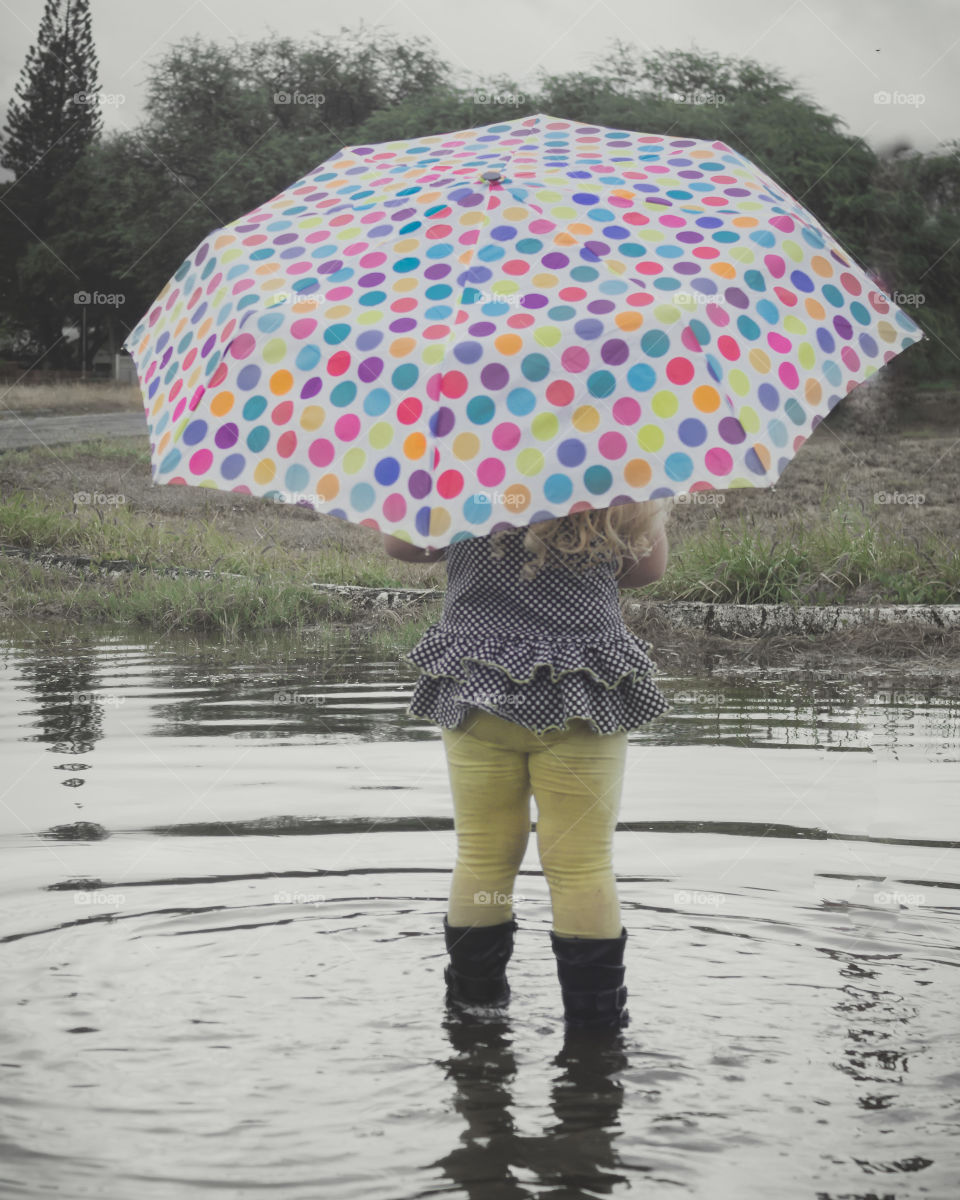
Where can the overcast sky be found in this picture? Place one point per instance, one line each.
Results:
(841, 52)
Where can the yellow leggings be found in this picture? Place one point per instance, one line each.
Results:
(576, 776)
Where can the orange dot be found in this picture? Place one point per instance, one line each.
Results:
(706, 398)
(629, 320)
(763, 454)
(508, 343)
(516, 497)
(723, 269)
(821, 265)
(164, 442)
(564, 239)
(312, 417)
(327, 487)
(415, 446)
(814, 308)
(466, 445)
(222, 403)
(401, 347)
(281, 382)
(759, 360)
(812, 391)
(637, 472)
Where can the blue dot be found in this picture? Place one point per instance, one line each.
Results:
(308, 358)
(257, 438)
(231, 466)
(641, 377)
(476, 509)
(296, 478)
(597, 479)
(170, 461)
(387, 471)
(344, 393)
(361, 496)
(480, 410)
(679, 466)
(377, 402)
(557, 489)
(521, 401)
(254, 407)
(571, 452)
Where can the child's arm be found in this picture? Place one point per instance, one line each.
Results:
(641, 571)
(398, 548)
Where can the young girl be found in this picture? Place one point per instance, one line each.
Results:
(535, 680)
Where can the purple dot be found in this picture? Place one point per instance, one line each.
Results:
(311, 388)
(843, 327)
(494, 376)
(419, 484)
(468, 352)
(369, 369)
(615, 352)
(554, 260)
(736, 297)
(226, 436)
(248, 378)
(403, 325)
(369, 338)
(437, 271)
(731, 430)
(481, 329)
(442, 421)
(534, 300)
(372, 280)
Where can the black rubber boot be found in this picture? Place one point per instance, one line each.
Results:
(476, 974)
(591, 974)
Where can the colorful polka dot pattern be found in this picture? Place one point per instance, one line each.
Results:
(608, 316)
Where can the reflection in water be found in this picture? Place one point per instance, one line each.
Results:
(224, 973)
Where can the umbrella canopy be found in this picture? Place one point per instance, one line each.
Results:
(438, 337)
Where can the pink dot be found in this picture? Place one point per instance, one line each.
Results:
(286, 443)
(575, 359)
(200, 462)
(320, 452)
(779, 343)
(491, 472)
(718, 461)
(626, 411)
(180, 407)
(243, 345)
(560, 392)
(303, 328)
(394, 507)
(680, 370)
(775, 264)
(718, 315)
(347, 427)
(506, 435)
(850, 357)
(728, 348)
(788, 375)
(612, 445)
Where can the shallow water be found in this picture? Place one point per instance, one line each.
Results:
(240, 988)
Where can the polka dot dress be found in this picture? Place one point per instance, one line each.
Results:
(536, 652)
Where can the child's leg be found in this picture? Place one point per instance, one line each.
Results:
(577, 782)
(491, 801)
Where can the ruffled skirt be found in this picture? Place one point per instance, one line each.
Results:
(540, 684)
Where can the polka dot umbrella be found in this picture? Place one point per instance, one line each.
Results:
(439, 337)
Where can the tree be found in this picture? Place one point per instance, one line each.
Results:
(51, 121)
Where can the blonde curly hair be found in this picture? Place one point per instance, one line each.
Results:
(592, 535)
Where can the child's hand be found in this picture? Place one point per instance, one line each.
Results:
(398, 548)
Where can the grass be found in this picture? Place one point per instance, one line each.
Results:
(100, 395)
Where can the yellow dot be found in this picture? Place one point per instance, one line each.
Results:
(586, 418)
(793, 324)
(466, 445)
(530, 461)
(759, 360)
(664, 404)
(793, 250)
(667, 313)
(312, 417)
(381, 435)
(545, 426)
(650, 437)
(274, 351)
(544, 281)
(434, 354)
(885, 331)
(806, 355)
(265, 470)
(439, 521)
(353, 460)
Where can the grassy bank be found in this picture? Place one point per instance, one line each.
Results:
(833, 554)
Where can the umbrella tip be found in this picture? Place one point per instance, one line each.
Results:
(493, 176)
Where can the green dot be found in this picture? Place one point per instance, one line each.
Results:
(545, 426)
(664, 404)
(806, 355)
(667, 313)
(792, 250)
(381, 435)
(353, 460)
(547, 335)
(530, 461)
(434, 353)
(748, 418)
(793, 324)
(650, 437)
(739, 382)
(275, 350)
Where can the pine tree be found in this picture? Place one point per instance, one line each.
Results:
(55, 114)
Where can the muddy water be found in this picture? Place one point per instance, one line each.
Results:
(232, 981)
